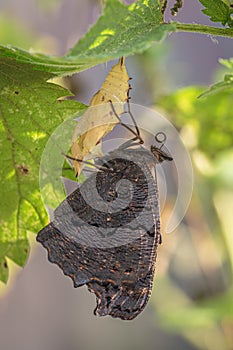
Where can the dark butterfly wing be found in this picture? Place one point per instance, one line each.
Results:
(120, 273)
(125, 301)
(129, 298)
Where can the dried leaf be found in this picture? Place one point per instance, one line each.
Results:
(95, 123)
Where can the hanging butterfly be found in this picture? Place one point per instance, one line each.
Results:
(106, 233)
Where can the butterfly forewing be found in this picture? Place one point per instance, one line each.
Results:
(110, 247)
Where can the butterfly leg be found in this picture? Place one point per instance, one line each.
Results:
(136, 133)
(97, 166)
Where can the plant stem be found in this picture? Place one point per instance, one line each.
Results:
(203, 29)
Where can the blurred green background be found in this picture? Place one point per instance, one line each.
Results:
(192, 302)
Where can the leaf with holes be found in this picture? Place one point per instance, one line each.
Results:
(30, 111)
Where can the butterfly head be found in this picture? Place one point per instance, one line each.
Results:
(158, 153)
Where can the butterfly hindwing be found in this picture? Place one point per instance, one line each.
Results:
(113, 252)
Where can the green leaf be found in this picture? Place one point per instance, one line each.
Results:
(121, 30)
(30, 111)
(227, 63)
(210, 119)
(226, 84)
(217, 10)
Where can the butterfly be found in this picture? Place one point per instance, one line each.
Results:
(106, 233)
